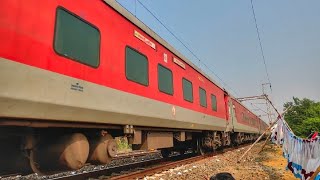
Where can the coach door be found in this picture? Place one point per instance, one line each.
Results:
(228, 109)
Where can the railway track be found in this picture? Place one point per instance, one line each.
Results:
(157, 169)
(119, 163)
(125, 166)
(169, 165)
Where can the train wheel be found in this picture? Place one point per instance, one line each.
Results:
(67, 152)
(34, 166)
(102, 149)
(76, 151)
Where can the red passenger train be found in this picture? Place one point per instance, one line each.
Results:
(75, 75)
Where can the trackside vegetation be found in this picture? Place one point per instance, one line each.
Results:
(303, 117)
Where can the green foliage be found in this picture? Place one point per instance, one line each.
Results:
(303, 117)
(123, 145)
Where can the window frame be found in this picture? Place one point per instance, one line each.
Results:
(183, 78)
(216, 103)
(205, 96)
(125, 65)
(159, 64)
(83, 20)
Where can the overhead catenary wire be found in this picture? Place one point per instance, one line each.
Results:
(180, 40)
(260, 43)
(258, 108)
(204, 64)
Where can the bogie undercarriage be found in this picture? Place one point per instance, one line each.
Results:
(46, 149)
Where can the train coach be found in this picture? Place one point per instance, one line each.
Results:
(74, 76)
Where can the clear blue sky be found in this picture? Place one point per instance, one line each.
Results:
(223, 35)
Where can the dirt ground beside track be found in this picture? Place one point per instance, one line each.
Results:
(268, 164)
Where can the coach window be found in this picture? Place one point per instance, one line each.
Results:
(187, 90)
(136, 66)
(213, 102)
(165, 80)
(203, 97)
(76, 39)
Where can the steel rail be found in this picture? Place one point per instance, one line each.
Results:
(169, 165)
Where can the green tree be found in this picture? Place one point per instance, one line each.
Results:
(303, 117)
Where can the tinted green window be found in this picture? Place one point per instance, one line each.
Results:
(187, 90)
(76, 39)
(136, 67)
(213, 102)
(203, 97)
(165, 80)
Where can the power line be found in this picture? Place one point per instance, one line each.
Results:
(261, 48)
(180, 40)
(258, 108)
